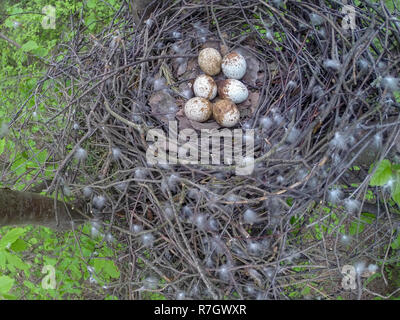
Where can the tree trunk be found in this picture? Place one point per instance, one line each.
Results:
(138, 8)
(17, 207)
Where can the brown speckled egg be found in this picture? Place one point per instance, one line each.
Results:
(210, 61)
(226, 113)
(198, 109)
(234, 65)
(233, 89)
(205, 87)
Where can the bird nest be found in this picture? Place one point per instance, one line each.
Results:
(322, 107)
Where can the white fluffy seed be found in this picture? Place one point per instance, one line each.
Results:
(250, 216)
(352, 205)
(136, 228)
(345, 239)
(87, 192)
(159, 84)
(140, 173)
(80, 154)
(99, 202)
(293, 135)
(150, 283)
(254, 248)
(266, 123)
(332, 64)
(181, 295)
(334, 195)
(339, 141)
(278, 119)
(116, 153)
(147, 240)
(359, 267)
(316, 19)
(372, 268)
(224, 273)
(390, 83)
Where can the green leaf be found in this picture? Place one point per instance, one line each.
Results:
(6, 284)
(2, 145)
(19, 245)
(29, 46)
(107, 266)
(15, 261)
(396, 192)
(3, 259)
(91, 4)
(11, 237)
(356, 228)
(382, 174)
(396, 243)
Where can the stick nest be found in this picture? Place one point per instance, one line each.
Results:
(324, 106)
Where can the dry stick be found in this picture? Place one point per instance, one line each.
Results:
(185, 240)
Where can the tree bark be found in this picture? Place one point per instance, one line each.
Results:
(19, 208)
(139, 7)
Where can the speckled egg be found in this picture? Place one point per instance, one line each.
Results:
(233, 89)
(198, 109)
(234, 65)
(205, 87)
(226, 113)
(210, 61)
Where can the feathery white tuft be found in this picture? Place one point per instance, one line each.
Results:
(352, 205)
(390, 83)
(87, 192)
(378, 140)
(177, 35)
(80, 154)
(363, 64)
(181, 295)
(200, 221)
(150, 283)
(332, 64)
(291, 85)
(316, 19)
(334, 195)
(224, 272)
(345, 239)
(339, 141)
(278, 119)
(254, 247)
(136, 228)
(99, 202)
(159, 84)
(293, 135)
(116, 153)
(372, 268)
(359, 267)
(140, 173)
(250, 216)
(147, 240)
